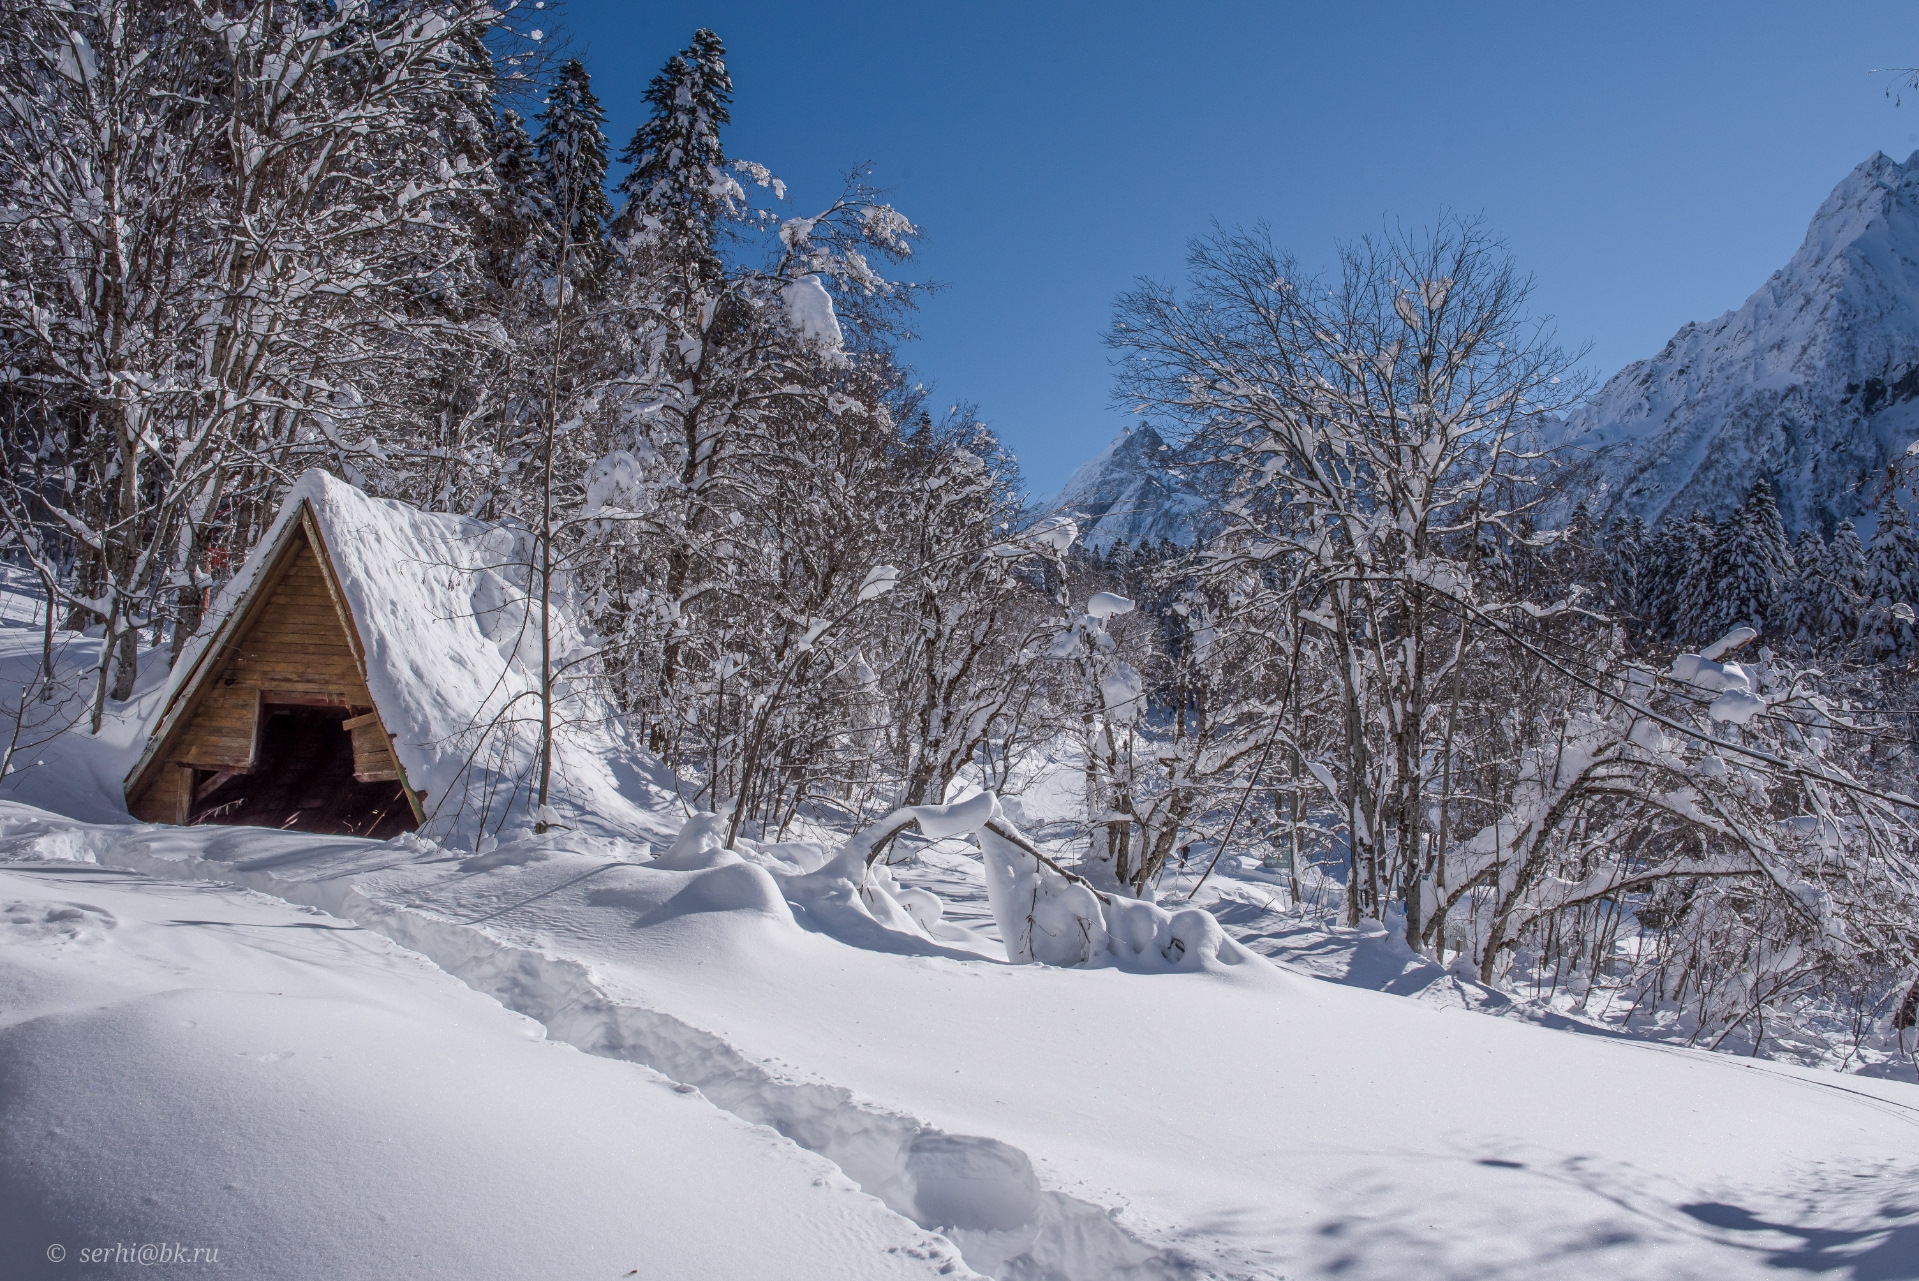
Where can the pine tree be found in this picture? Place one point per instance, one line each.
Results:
(679, 189)
(524, 219)
(572, 154)
(1578, 557)
(1626, 570)
(1892, 584)
(1892, 563)
(1841, 587)
(1694, 603)
(1667, 558)
(1752, 564)
(1796, 616)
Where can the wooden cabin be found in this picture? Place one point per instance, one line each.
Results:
(274, 724)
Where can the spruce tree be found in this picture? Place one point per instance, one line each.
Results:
(1796, 616)
(1579, 557)
(679, 190)
(1665, 564)
(1892, 563)
(524, 203)
(1892, 584)
(1841, 587)
(1752, 564)
(523, 227)
(1625, 569)
(1694, 603)
(572, 154)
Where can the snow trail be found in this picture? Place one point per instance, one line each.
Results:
(982, 1194)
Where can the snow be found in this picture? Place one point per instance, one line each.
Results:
(20, 598)
(1133, 1109)
(1130, 491)
(1056, 533)
(452, 642)
(879, 580)
(1738, 701)
(1808, 383)
(1212, 1119)
(209, 1067)
(809, 308)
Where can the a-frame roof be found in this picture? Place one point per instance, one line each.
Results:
(447, 636)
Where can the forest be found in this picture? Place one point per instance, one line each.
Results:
(1671, 766)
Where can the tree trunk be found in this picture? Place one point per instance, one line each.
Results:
(188, 614)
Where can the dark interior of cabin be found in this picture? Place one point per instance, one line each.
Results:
(303, 782)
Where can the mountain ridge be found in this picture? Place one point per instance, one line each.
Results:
(1812, 383)
(1131, 491)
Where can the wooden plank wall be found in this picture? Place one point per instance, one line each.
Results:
(295, 650)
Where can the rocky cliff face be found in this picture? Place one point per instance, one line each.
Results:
(1813, 384)
(1132, 490)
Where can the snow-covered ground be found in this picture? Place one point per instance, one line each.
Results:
(1066, 1122)
(184, 1064)
(1229, 1120)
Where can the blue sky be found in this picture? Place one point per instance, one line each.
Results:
(1649, 164)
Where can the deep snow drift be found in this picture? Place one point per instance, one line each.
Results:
(203, 1066)
(1228, 1120)
(1206, 1114)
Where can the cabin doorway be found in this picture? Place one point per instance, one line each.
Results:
(302, 781)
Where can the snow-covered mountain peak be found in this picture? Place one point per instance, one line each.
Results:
(1131, 490)
(1809, 384)
(1874, 188)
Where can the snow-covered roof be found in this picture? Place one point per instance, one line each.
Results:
(451, 639)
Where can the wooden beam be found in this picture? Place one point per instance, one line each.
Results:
(304, 698)
(324, 555)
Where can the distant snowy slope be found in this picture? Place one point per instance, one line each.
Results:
(1811, 384)
(1132, 491)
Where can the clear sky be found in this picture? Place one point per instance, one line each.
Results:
(1649, 164)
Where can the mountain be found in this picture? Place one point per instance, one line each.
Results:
(1812, 384)
(1131, 490)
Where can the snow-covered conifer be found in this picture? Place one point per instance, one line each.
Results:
(1841, 586)
(1886, 630)
(1626, 569)
(1892, 562)
(523, 216)
(679, 189)
(572, 154)
(1670, 552)
(1752, 564)
(1795, 617)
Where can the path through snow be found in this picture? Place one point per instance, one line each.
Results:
(1098, 1123)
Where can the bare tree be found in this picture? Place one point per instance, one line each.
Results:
(1370, 426)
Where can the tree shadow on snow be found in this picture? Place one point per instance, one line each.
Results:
(1885, 1251)
(1588, 1216)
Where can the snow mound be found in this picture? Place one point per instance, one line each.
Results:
(1234, 1121)
(1045, 917)
(218, 1070)
(809, 309)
